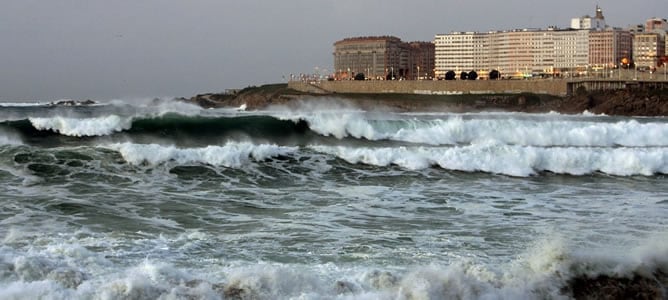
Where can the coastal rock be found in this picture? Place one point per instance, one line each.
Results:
(72, 102)
(607, 287)
(626, 102)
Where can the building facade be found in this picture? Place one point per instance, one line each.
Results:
(421, 60)
(571, 51)
(516, 53)
(593, 49)
(382, 57)
(461, 51)
(608, 48)
(648, 48)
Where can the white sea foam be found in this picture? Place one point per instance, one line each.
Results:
(512, 160)
(59, 267)
(230, 155)
(97, 126)
(458, 130)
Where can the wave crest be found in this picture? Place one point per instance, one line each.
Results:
(232, 155)
(98, 126)
(511, 160)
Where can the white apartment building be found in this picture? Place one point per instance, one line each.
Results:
(461, 51)
(517, 53)
(571, 48)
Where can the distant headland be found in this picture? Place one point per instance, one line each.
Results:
(631, 99)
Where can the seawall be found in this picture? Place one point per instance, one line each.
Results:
(556, 87)
(431, 87)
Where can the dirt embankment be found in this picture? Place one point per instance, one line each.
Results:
(627, 102)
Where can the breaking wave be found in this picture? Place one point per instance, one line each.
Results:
(545, 131)
(551, 269)
(509, 129)
(230, 155)
(83, 127)
(511, 160)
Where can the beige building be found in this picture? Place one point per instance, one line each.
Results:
(648, 48)
(517, 53)
(571, 51)
(607, 48)
(381, 57)
(591, 48)
(522, 53)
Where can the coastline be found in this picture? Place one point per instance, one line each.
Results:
(646, 102)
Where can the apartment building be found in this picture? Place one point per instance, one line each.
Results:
(607, 48)
(421, 60)
(516, 53)
(381, 57)
(571, 51)
(589, 47)
(648, 48)
(461, 51)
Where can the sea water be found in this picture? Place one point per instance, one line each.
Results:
(165, 200)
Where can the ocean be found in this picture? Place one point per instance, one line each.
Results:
(160, 199)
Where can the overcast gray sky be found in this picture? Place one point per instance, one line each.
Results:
(99, 49)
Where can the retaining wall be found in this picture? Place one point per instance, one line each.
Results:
(430, 87)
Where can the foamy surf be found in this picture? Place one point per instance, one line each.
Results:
(552, 268)
(523, 131)
(229, 155)
(330, 204)
(511, 160)
(96, 126)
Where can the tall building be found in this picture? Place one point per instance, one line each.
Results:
(516, 53)
(571, 51)
(522, 53)
(372, 56)
(648, 48)
(461, 51)
(382, 57)
(608, 47)
(421, 60)
(660, 26)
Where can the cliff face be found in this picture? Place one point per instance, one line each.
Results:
(628, 102)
